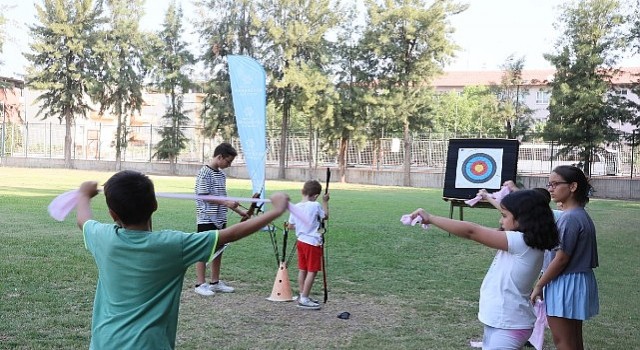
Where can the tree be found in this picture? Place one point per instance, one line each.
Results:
(634, 43)
(474, 111)
(3, 23)
(294, 45)
(120, 58)
(511, 93)
(172, 78)
(349, 119)
(408, 45)
(226, 28)
(581, 106)
(634, 31)
(61, 62)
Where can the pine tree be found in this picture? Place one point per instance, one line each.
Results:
(511, 92)
(295, 53)
(408, 44)
(120, 58)
(172, 78)
(3, 23)
(61, 62)
(634, 42)
(349, 120)
(226, 28)
(582, 107)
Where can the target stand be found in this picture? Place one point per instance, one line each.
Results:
(455, 202)
(474, 164)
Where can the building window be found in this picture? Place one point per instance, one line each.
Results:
(542, 97)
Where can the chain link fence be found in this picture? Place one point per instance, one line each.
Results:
(428, 152)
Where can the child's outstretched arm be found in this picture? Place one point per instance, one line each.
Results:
(86, 191)
(279, 202)
(487, 197)
(484, 235)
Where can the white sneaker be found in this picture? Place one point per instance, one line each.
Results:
(221, 287)
(310, 298)
(204, 290)
(308, 304)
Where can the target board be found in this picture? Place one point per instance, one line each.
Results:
(473, 164)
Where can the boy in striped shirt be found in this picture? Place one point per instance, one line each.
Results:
(212, 214)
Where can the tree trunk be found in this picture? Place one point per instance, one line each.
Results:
(283, 139)
(68, 141)
(509, 129)
(407, 155)
(172, 164)
(588, 156)
(342, 162)
(119, 144)
(377, 153)
(312, 159)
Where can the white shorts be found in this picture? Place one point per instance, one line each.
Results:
(504, 339)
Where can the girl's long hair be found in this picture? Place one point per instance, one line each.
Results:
(534, 216)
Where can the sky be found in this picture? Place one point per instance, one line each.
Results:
(487, 33)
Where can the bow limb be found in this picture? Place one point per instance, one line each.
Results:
(252, 208)
(324, 246)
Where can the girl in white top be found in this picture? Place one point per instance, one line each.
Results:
(527, 228)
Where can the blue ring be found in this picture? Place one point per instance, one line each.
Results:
(483, 157)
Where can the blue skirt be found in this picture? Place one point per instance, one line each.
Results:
(573, 296)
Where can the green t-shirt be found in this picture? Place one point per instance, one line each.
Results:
(140, 277)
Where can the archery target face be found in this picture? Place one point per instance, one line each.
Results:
(479, 168)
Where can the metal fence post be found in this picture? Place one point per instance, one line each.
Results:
(26, 138)
(50, 137)
(74, 141)
(202, 155)
(551, 158)
(99, 145)
(13, 137)
(316, 147)
(4, 126)
(150, 141)
(633, 150)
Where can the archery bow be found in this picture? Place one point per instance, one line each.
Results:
(252, 208)
(284, 242)
(274, 243)
(324, 245)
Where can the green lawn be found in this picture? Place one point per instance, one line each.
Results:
(406, 288)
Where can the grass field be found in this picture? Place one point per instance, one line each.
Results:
(406, 288)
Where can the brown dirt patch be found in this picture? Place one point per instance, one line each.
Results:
(245, 319)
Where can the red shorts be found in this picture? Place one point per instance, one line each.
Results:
(309, 257)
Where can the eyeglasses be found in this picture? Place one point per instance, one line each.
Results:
(555, 184)
(227, 160)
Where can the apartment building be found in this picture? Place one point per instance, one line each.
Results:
(11, 100)
(20, 106)
(534, 90)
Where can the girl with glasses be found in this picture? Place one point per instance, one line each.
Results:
(568, 285)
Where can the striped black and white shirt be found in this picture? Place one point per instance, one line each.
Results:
(211, 182)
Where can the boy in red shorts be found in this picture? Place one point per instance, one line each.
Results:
(309, 244)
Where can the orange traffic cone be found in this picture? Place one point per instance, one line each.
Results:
(281, 286)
